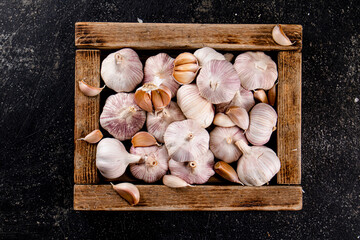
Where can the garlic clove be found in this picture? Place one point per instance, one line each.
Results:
(243, 98)
(260, 95)
(185, 58)
(229, 57)
(165, 95)
(226, 171)
(93, 137)
(151, 94)
(280, 37)
(184, 77)
(143, 100)
(207, 54)
(88, 90)
(157, 100)
(143, 139)
(128, 191)
(223, 120)
(239, 116)
(189, 67)
(174, 182)
(272, 95)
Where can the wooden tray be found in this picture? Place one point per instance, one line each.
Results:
(94, 37)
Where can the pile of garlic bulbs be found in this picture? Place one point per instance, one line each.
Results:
(200, 114)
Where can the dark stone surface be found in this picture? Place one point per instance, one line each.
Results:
(36, 118)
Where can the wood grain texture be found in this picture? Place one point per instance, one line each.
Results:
(235, 37)
(289, 117)
(198, 198)
(87, 68)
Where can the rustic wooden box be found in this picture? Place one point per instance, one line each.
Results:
(94, 37)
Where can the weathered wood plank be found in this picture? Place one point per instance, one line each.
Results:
(289, 120)
(198, 198)
(87, 67)
(235, 37)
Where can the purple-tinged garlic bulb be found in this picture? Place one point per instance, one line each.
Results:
(207, 54)
(222, 143)
(153, 164)
(122, 71)
(243, 98)
(186, 140)
(258, 164)
(121, 117)
(194, 172)
(157, 123)
(218, 81)
(256, 70)
(263, 120)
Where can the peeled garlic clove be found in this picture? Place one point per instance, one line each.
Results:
(239, 116)
(218, 81)
(258, 164)
(154, 163)
(128, 191)
(88, 90)
(156, 123)
(143, 100)
(229, 57)
(121, 116)
(112, 158)
(207, 54)
(222, 143)
(223, 120)
(243, 98)
(260, 95)
(226, 171)
(194, 106)
(272, 95)
(194, 172)
(93, 137)
(186, 140)
(256, 70)
(280, 37)
(122, 70)
(185, 68)
(143, 139)
(174, 182)
(263, 119)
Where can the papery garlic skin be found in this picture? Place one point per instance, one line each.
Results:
(263, 119)
(156, 123)
(243, 98)
(256, 70)
(207, 54)
(112, 158)
(121, 117)
(194, 106)
(122, 71)
(186, 140)
(218, 81)
(222, 143)
(195, 172)
(154, 163)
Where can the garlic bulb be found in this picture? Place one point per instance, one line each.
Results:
(122, 70)
(150, 94)
(263, 120)
(89, 90)
(174, 182)
(128, 191)
(194, 172)
(222, 143)
(218, 81)
(280, 37)
(256, 70)
(239, 116)
(243, 98)
(194, 106)
(153, 164)
(186, 140)
(158, 70)
(185, 68)
(157, 123)
(207, 54)
(112, 158)
(258, 164)
(121, 117)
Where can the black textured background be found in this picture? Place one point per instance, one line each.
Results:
(36, 122)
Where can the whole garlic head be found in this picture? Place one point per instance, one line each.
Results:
(207, 54)
(243, 98)
(186, 140)
(121, 117)
(122, 70)
(256, 70)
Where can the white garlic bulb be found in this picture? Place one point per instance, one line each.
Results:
(121, 117)
(222, 143)
(194, 172)
(256, 70)
(112, 158)
(153, 164)
(218, 81)
(158, 70)
(186, 140)
(194, 106)
(243, 98)
(122, 70)
(157, 122)
(207, 54)
(258, 164)
(263, 120)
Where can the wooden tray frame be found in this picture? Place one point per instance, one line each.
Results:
(92, 37)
